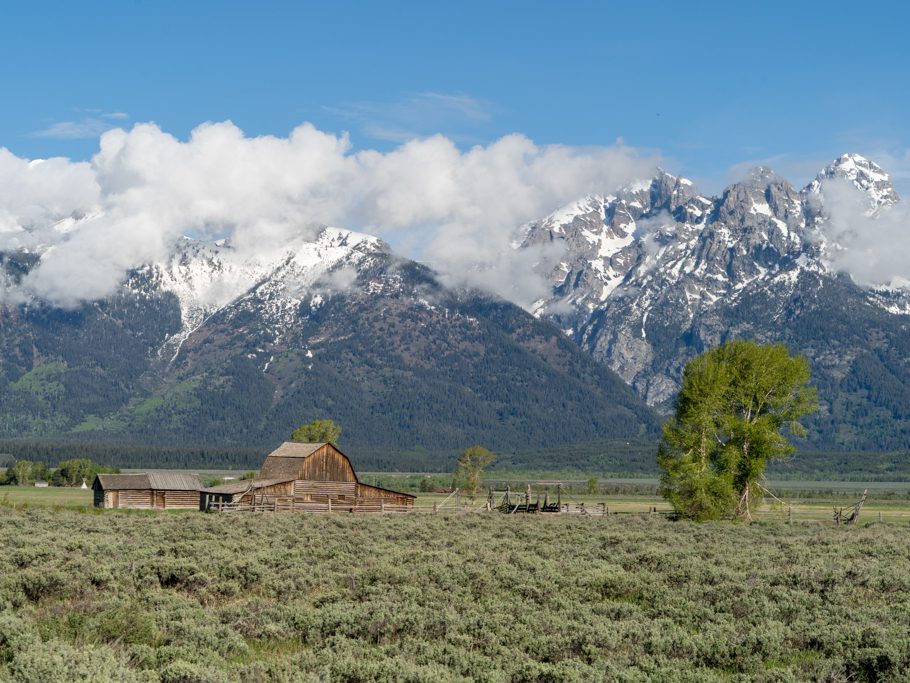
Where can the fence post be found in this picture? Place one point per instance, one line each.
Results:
(789, 514)
(330, 504)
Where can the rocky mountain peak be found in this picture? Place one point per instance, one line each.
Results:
(678, 267)
(760, 201)
(207, 276)
(865, 174)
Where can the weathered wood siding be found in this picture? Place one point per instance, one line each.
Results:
(320, 490)
(181, 500)
(284, 489)
(139, 500)
(366, 491)
(327, 464)
(146, 500)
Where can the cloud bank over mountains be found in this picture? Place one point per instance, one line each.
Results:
(457, 210)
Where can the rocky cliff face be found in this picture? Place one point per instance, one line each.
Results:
(657, 273)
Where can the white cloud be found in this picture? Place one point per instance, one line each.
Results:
(874, 248)
(455, 209)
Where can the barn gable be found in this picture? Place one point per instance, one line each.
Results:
(310, 461)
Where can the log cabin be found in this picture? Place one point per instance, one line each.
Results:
(305, 477)
(147, 491)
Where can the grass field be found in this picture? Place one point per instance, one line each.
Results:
(50, 496)
(190, 598)
(887, 503)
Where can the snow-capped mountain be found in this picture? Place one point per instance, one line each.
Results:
(205, 277)
(658, 256)
(228, 346)
(656, 272)
(214, 346)
(866, 175)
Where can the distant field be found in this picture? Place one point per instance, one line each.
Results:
(50, 496)
(470, 597)
(889, 503)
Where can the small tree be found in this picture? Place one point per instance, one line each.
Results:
(73, 472)
(317, 431)
(731, 408)
(471, 464)
(25, 472)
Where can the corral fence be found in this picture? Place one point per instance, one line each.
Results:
(528, 502)
(361, 505)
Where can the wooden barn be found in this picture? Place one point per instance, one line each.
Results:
(305, 477)
(152, 491)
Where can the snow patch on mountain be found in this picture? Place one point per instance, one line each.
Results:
(866, 175)
(657, 254)
(206, 277)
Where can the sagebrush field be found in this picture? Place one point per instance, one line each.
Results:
(195, 597)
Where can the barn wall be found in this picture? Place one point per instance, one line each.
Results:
(367, 491)
(327, 464)
(98, 497)
(174, 500)
(321, 490)
(284, 489)
(141, 500)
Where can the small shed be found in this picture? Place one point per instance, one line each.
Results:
(149, 491)
(307, 477)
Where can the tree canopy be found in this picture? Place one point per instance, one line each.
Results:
(734, 404)
(471, 464)
(317, 431)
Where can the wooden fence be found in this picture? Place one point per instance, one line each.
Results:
(372, 505)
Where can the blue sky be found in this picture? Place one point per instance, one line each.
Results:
(710, 86)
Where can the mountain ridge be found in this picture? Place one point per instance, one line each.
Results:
(338, 326)
(689, 271)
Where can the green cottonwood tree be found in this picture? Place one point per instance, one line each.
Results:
(471, 464)
(731, 408)
(317, 431)
(74, 471)
(26, 472)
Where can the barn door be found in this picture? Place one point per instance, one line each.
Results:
(159, 500)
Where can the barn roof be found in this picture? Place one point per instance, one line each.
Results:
(292, 449)
(161, 481)
(174, 481)
(242, 486)
(284, 462)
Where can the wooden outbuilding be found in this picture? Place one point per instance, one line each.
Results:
(147, 491)
(305, 477)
